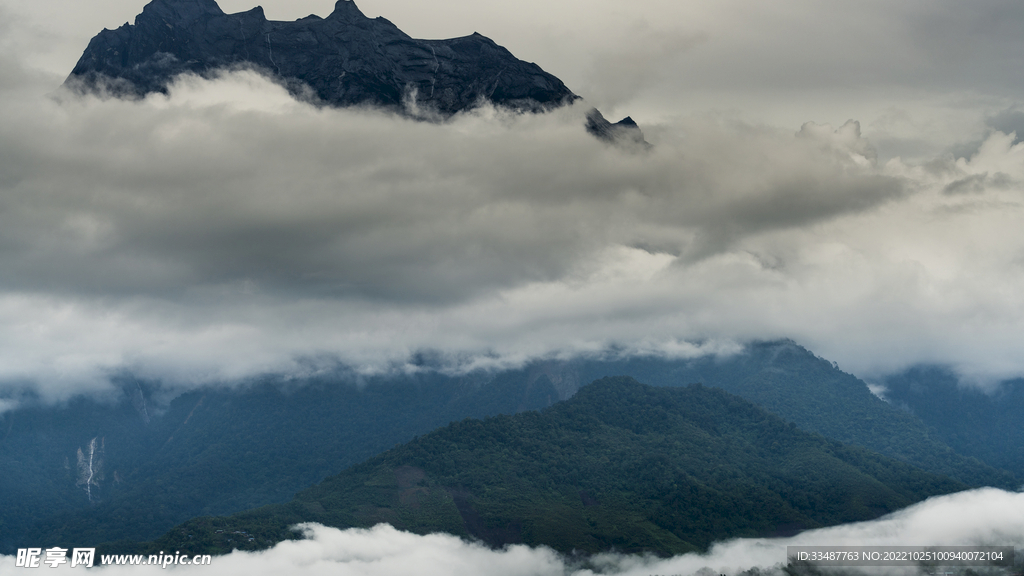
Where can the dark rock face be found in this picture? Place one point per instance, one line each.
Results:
(625, 132)
(345, 59)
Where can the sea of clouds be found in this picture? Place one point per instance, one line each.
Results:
(985, 517)
(227, 230)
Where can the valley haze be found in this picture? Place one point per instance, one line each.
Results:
(848, 176)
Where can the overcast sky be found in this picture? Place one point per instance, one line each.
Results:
(843, 174)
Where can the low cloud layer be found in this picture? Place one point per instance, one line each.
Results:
(986, 517)
(227, 231)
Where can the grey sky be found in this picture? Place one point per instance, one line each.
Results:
(228, 231)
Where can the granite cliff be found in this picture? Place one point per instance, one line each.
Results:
(344, 59)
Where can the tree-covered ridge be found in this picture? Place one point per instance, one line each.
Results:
(215, 452)
(621, 465)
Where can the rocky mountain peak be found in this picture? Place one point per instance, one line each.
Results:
(180, 11)
(346, 9)
(343, 60)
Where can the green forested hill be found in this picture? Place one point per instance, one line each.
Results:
(219, 451)
(620, 465)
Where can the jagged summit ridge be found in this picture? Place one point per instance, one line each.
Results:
(344, 59)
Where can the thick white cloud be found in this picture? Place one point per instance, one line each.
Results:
(228, 231)
(986, 517)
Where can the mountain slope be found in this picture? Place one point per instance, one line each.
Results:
(620, 465)
(987, 426)
(342, 60)
(216, 451)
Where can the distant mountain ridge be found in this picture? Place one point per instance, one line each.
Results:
(985, 425)
(621, 465)
(344, 59)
